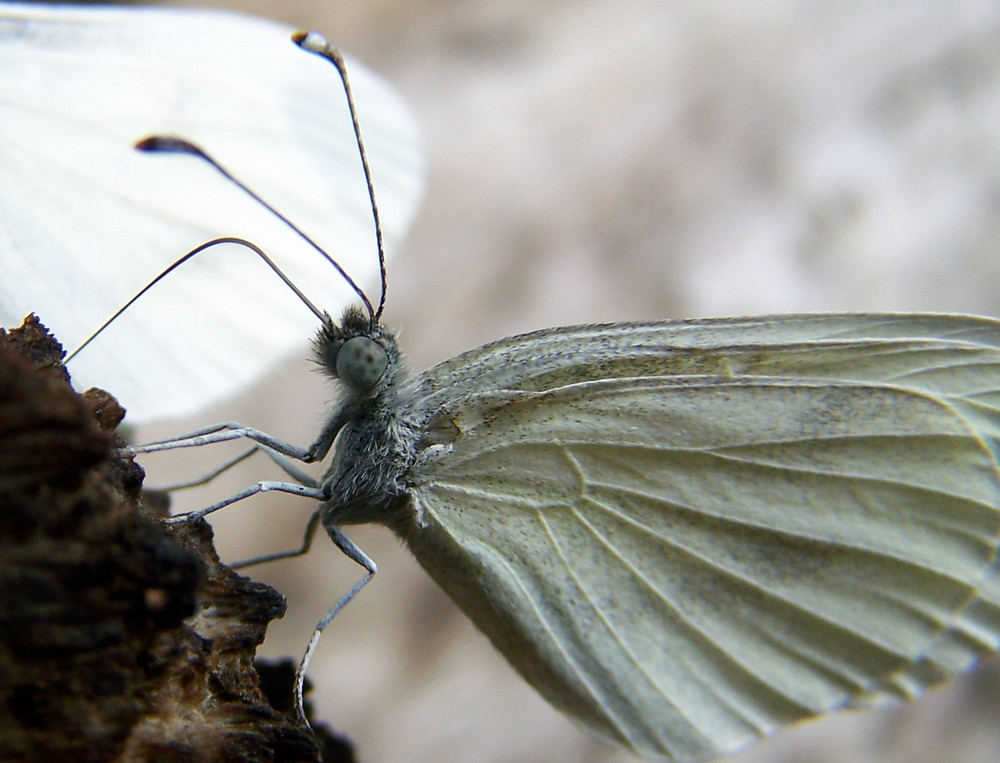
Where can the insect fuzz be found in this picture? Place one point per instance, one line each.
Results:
(375, 438)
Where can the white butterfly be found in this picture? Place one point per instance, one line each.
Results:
(686, 534)
(85, 220)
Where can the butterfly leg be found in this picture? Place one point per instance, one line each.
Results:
(305, 480)
(229, 430)
(286, 466)
(265, 486)
(351, 550)
(204, 479)
(307, 540)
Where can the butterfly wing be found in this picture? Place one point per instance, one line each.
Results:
(686, 535)
(86, 221)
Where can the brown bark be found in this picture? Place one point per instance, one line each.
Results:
(121, 638)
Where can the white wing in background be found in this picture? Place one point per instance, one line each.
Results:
(86, 221)
(686, 535)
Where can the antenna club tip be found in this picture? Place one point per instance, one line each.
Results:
(314, 42)
(163, 143)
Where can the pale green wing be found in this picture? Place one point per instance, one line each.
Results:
(686, 535)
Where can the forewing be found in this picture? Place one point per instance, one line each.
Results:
(708, 535)
(86, 221)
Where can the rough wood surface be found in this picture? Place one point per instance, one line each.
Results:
(121, 638)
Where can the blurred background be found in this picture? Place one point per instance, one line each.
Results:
(621, 160)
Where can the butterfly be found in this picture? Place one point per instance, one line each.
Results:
(474, 418)
(684, 534)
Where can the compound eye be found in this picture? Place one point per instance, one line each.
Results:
(361, 363)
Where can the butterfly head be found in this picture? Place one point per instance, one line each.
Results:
(363, 357)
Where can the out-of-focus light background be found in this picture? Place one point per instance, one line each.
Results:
(622, 160)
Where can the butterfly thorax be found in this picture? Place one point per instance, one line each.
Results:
(373, 430)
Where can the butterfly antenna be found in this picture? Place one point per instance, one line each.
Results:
(214, 242)
(317, 44)
(160, 143)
